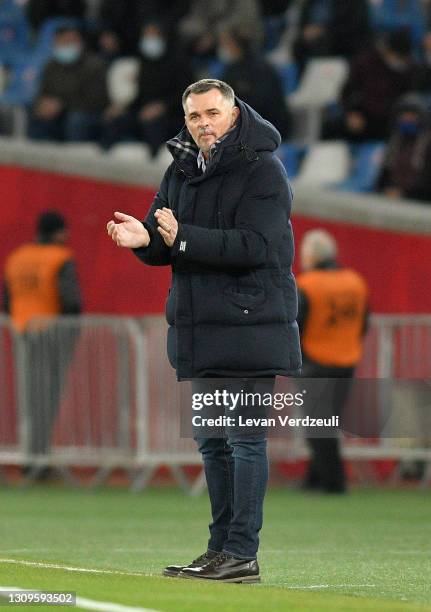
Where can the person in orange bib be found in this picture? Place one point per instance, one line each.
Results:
(40, 281)
(332, 318)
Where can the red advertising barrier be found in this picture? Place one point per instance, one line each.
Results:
(396, 265)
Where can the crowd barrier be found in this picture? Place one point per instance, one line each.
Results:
(98, 392)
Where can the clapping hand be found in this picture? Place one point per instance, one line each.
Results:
(168, 225)
(130, 233)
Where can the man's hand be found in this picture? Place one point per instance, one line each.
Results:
(393, 192)
(48, 108)
(130, 233)
(168, 225)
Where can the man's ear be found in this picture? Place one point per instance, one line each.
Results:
(235, 114)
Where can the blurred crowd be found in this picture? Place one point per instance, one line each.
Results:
(79, 83)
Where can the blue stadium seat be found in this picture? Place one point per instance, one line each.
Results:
(367, 162)
(24, 82)
(274, 28)
(216, 69)
(291, 156)
(389, 15)
(14, 31)
(289, 77)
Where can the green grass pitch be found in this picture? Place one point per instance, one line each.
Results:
(370, 550)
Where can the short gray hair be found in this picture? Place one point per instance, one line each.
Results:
(205, 85)
(321, 245)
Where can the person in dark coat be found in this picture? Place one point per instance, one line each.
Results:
(155, 112)
(253, 78)
(73, 92)
(406, 171)
(221, 219)
(378, 77)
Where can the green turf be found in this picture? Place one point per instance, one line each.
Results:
(369, 550)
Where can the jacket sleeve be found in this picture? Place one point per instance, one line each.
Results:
(157, 253)
(68, 288)
(261, 221)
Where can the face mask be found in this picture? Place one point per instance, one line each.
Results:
(153, 47)
(67, 54)
(408, 128)
(224, 55)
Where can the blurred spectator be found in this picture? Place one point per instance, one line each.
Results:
(332, 319)
(41, 281)
(73, 92)
(407, 167)
(155, 113)
(199, 28)
(331, 27)
(125, 17)
(110, 45)
(39, 11)
(253, 79)
(377, 79)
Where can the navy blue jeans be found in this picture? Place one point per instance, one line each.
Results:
(236, 470)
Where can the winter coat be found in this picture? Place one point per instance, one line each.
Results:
(232, 306)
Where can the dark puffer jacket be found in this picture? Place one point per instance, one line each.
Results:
(232, 306)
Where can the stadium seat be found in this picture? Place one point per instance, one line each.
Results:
(123, 81)
(389, 15)
(291, 155)
(14, 31)
(131, 152)
(24, 81)
(367, 163)
(216, 69)
(163, 157)
(325, 163)
(321, 82)
(289, 77)
(319, 87)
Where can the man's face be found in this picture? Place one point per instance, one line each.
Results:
(209, 116)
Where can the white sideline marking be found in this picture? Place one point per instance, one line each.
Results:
(68, 568)
(89, 604)
(327, 586)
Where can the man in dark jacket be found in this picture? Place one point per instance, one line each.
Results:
(221, 220)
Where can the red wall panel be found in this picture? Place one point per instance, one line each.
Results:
(396, 265)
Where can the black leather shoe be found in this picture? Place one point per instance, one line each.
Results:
(174, 570)
(225, 568)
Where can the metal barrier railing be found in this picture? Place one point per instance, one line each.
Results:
(98, 391)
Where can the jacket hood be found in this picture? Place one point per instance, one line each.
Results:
(253, 134)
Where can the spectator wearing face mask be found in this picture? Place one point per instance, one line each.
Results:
(377, 79)
(252, 77)
(72, 94)
(407, 167)
(155, 113)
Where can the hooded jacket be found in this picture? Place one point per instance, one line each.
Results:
(232, 305)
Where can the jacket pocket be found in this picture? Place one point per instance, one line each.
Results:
(251, 300)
